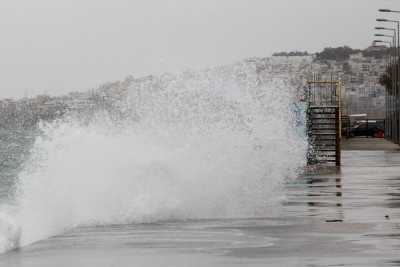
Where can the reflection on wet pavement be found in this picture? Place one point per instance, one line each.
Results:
(330, 217)
(359, 204)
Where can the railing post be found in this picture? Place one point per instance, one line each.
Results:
(338, 139)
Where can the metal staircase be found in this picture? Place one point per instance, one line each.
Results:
(323, 122)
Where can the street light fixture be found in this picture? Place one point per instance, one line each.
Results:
(390, 114)
(388, 11)
(384, 29)
(395, 102)
(397, 35)
(379, 46)
(396, 76)
(381, 41)
(383, 35)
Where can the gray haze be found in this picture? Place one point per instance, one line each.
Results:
(54, 47)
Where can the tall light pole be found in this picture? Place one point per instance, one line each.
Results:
(387, 102)
(390, 104)
(396, 94)
(388, 98)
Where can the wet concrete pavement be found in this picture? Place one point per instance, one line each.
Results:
(372, 144)
(352, 214)
(331, 217)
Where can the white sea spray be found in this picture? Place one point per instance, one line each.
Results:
(206, 144)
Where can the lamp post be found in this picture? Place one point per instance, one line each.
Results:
(390, 104)
(387, 104)
(389, 10)
(395, 94)
(388, 96)
(388, 66)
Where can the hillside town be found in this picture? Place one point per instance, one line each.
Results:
(359, 72)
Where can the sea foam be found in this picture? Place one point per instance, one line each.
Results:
(208, 144)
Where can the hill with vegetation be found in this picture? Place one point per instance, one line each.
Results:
(341, 53)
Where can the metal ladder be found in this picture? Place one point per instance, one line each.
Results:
(324, 122)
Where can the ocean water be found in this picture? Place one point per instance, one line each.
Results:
(175, 151)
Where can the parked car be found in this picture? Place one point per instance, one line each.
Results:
(368, 128)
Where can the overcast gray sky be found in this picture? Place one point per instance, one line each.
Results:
(57, 46)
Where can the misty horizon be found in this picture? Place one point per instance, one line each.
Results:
(56, 48)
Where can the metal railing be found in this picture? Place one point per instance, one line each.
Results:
(324, 121)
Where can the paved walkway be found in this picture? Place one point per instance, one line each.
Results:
(343, 217)
(372, 144)
(351, 215)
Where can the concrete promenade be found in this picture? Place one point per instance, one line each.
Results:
(340, 217)
(351, 216)
(372, 144)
